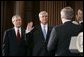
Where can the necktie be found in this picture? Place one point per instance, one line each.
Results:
(18, 36)
(44, 32)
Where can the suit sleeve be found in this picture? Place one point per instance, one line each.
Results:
(52, 41)
(5, 45)
(29, 43)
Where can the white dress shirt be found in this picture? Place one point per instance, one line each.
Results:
(46, 27)
(17, 29)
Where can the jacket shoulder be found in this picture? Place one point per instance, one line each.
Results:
(9, 30)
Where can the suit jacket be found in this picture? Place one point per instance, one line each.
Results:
(81, 27)
(10, 46)
(60, 39)
(39, 44)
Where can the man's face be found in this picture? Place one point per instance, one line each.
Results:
(80, 15)
(43, 19)
(17, 22)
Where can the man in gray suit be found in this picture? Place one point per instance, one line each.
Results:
(60, 37)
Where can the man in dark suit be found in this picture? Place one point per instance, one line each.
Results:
(40, 35)
(79, 18)
(14, 39)
(61, 35)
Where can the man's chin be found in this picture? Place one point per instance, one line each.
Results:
(45, 23)
(18, 26)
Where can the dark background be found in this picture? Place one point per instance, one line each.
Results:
(29, 10)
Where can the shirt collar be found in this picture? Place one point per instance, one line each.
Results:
(46, 27)
(65, 20)
(17, 28)
(42, 25)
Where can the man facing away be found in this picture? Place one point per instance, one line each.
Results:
(61, 35)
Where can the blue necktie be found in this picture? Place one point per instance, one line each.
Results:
(44, 32)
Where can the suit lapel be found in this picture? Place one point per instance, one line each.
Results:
(41, 33)
(22, 33)
(48, 33)
(14, 35)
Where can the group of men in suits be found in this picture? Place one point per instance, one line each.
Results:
(39, 40)
(33, 40)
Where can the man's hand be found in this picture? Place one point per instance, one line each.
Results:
(29, 27)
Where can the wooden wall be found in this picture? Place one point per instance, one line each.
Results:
(53, 8)
(7, 11)
(29, 10)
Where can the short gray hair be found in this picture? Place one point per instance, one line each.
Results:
(67, 12)
(15, 17)
(43, 13)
